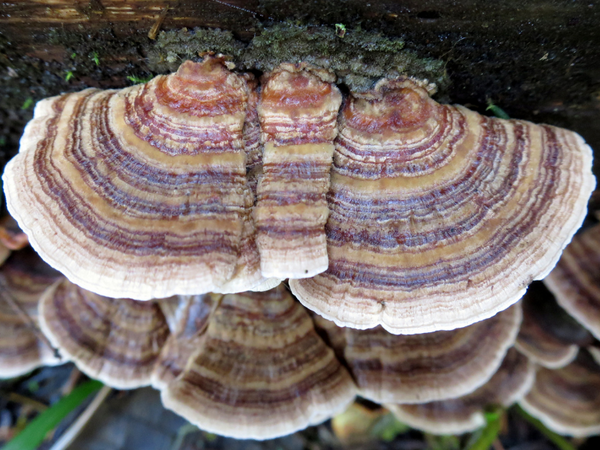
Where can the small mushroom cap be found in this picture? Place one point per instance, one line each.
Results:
(11, 235)
(595, 352)
(548, 335)
(261, 372)
(440, 217)
(421, 368)
(23, 279)
(298, 111)
(567, 400)
(141, 193)
(464, 414)
(574, 280)
(116, 341)
(188, 318)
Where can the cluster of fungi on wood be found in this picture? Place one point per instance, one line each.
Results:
(416, 226)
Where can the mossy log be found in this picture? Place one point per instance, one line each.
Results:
(536, 59)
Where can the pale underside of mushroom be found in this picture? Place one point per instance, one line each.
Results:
(574, 280)
(548, 335)
(432, 216)
(188, 319)
(261, 371)
(567, 400)
(117, 341)
(511, 382)
(440, 217)
(23, 279)
(421, 368)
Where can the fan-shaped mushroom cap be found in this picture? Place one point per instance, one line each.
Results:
(262, 371)
(298, 112)
(548, 335)
(142, 192)
(574, 280)
(23, 279)
(595, 352)
(116, 341)
(440, 217)
(461, 415)
(420, 368)
(567, 400)
(188, 318)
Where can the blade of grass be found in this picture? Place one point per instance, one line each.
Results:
(556, 439)
(34, 433)
(489, 434)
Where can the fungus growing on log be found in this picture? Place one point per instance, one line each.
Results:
(116, 341)
(574, 280)
(261, 371)
(389, 368)
(298, 113)
(141, 193)
(436, 217)
(567, 400)
(464, 414)
(23, 279)
(440, 217)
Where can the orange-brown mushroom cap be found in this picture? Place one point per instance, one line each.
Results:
(574, 280)
(464, 414)
(389, 368)
(141, 193)
(567, 400)
(440, 217)
(23, 279)
(262, 371)
(116, 341)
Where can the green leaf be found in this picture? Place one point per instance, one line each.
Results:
(138, 80)
(497, 111)
(27, 103)
(484, 439)
(69, 75)
(35, 432)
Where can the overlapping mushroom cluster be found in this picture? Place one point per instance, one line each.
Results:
(423, 223)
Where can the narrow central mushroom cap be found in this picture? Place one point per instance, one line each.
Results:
(440, 217)
(116, 341)
(509, 384)
(298, 112)
(261, 371)
(421, 368)
(141, 193)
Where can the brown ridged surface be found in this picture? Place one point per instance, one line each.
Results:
(116, 341)
(461, 415)
(298, 113)
(23, 279)
(421, 368)
(567, 400)
(261, 372)
(188, 318)
(142, 192)
(440, 217)
(575, 279)
(548, 335)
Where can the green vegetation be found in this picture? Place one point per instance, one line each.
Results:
(35, 432)
(138, 80)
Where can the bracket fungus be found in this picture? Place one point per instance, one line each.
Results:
(420, 216)
(574, 280)
(422, 368)
(116, 341)
(261, 366)
(23, 279)
(567, 400)
(509, 384)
